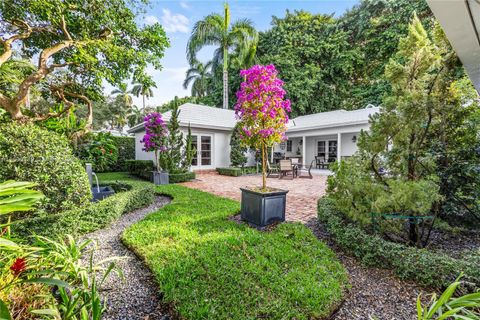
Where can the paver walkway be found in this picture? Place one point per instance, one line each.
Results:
(301, 198)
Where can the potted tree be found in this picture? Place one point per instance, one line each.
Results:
(262, 113)
(154, 141)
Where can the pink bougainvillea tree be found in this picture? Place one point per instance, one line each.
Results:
(262, 110)
(155, 135)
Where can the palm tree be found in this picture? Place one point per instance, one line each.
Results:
(135, 116)
(216, 29)
(124, 92)
(199, 74)
(145, 90)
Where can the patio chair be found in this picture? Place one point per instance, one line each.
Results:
(286, 169)
(320, 162)
(305, 171)
(272, 170)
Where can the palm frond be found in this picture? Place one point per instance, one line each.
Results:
(209, 31)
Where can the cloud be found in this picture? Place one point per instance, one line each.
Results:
(174, 22)
(184, 5)
(151, 20)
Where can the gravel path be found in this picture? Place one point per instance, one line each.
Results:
(137, 298)
(375, 293)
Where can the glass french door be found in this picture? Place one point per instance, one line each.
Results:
(332, 150)
(203, 145)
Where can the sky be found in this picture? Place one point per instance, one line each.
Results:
(178, 18)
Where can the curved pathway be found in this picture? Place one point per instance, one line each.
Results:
(139, 297)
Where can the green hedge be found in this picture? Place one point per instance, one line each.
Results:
(132, 195)
(426, 267)
(140, 168)
(181, 177)
(231, 171)
(126, 151)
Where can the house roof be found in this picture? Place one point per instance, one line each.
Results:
(200, 116)
(331, 119)
(461, 22)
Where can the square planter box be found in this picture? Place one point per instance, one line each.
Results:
(159, 178)
(262, 209)
(103, 193)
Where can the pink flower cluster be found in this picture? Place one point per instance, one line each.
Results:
(261, 107)
(155, 132)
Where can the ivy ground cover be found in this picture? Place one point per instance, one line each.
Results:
(211, 267)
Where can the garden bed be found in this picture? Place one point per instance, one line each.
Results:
(209, 266)
(428, 268)
(131, 194)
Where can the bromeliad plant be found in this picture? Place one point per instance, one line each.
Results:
(262, 111)
(155, 136)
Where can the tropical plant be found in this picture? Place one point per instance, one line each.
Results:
(198, 75)
(100, 150)
(237, 150)
(76, 46)
(135, 116)
(144, 90)
(68, 124)
(171, 159)
(447, 306)
(124, 93)
(262, 111)
(216, 29)
(189, 152)
(154, 139)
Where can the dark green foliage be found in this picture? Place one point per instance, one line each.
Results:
(140, 168)
(210, 267)
(428, 268)
(237, 150)
(131, 195)
(189, 151)
(234, 172)
(126, 151)
(314, 58)
(374, 29)
(30, 153)
(100, 150)
(181, 177)
(171, 159)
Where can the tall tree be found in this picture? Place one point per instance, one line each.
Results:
(198, 75)
(216, 30)
(144, 90)
(171, 159)
(124, 92)
(86, 42)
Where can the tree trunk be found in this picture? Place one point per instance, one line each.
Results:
(143, 97)
(264, 166)
(225, 89)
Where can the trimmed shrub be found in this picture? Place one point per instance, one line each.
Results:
(30, 153)
(234, 172)
(181, 177)
(126, 151)
(136, 194)
(426, 267)
(140, 168)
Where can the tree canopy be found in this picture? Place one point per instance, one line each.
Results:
(76, 45)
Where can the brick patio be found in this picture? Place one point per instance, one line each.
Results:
(301, 198)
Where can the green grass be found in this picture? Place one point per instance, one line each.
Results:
(210, 267)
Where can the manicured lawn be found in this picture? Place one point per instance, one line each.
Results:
(210, 267)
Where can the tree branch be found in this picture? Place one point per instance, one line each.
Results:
(7, 43)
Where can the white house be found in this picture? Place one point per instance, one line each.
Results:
(329, 135)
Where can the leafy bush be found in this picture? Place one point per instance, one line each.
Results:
(126, 151)
(234, 172)
(92, 217)
(100, 150)
(28, 152)
(237, 150)
(425, 267)
(140, 168)
(181, 177)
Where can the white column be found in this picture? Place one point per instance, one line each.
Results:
(271, 155)
(304, 150)
(339, 146)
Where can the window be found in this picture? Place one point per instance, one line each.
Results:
(321, 149)
(206, 152)
(289, 145)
